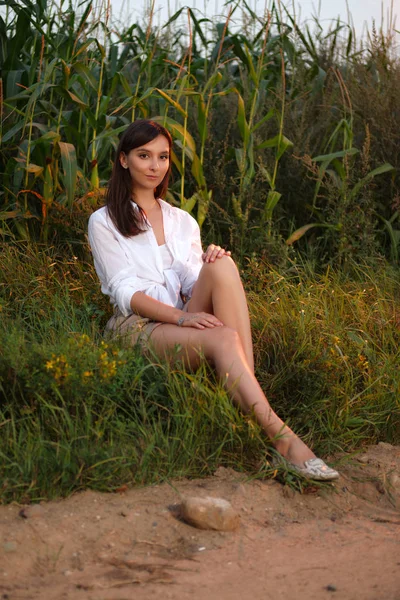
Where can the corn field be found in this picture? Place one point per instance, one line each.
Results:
(282, 132)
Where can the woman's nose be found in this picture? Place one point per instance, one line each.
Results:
(154, 164)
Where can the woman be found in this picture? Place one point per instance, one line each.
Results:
(150, 262)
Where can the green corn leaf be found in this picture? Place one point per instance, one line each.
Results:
(240, 158)
(86, 73)
(70, 166)
(66, 71)
(296, 235)
(174, 16)
(265, 173)
(171, 101)
(271, 113)
(36, 170)
(212, 82)
(100, 48)
(76, 99)
(48, 188)
(226, 92)
(327, 158)
(284, 144)
(85, 15)
(203, 199)
(340, 170)
(110, 132)
(250, 170)
(242, 122)
(349, 43)
(84, 47)
(11, 132)
(188, 151)
(197, 27)
(201, 117)
(272, 200)
(281, 142)
(146, 95)
(394, 236)
(177, 163)
(177, 131)
(19, 126)
(129, 102)
(48, 137)
(125, 84)
(386, 168)
(197, 172)
(189, 204)
(252, 70)
(13, 79)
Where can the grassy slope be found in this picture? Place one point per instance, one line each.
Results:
(76, 412)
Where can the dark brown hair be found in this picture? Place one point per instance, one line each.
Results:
(126, 219)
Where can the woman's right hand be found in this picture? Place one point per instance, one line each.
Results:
(200, 320)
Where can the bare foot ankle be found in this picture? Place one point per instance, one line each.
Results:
(294, 450)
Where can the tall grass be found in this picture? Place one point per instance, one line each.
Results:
(278, 128)
(78, 412)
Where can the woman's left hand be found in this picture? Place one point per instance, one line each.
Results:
(214, 252)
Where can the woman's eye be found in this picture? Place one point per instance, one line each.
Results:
(142, 155)
(164, 157)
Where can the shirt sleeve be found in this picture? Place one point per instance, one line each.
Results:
(192, 267)
(118, 276)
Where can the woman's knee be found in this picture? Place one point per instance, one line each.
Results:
(224, 266)
(221, 339)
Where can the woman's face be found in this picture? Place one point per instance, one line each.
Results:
(147, 164)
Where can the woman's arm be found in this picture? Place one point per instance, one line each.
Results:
(145, 306)
(158, 311)
(117, 274)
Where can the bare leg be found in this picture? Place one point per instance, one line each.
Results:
(222, 346)
(219, 291)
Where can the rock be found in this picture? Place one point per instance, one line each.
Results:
(209, 513)
(33, 511)
(363, 459)
(386, 446)
(394, 480)
(10, 547)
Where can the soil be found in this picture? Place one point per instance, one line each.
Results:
(337, 541)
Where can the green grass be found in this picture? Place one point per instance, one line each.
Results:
(76, 412)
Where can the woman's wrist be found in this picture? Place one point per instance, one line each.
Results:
(178, 317)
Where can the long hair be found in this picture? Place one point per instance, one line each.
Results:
(126, 219)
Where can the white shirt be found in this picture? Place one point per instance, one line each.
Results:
(166, 256)
(126, 265)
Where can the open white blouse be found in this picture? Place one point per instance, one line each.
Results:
(135, 264)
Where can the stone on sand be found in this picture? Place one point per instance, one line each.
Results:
(209, 513)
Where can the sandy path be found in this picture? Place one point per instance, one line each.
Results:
(340, 542)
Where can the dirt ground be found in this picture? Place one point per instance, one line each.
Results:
(340, 542)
